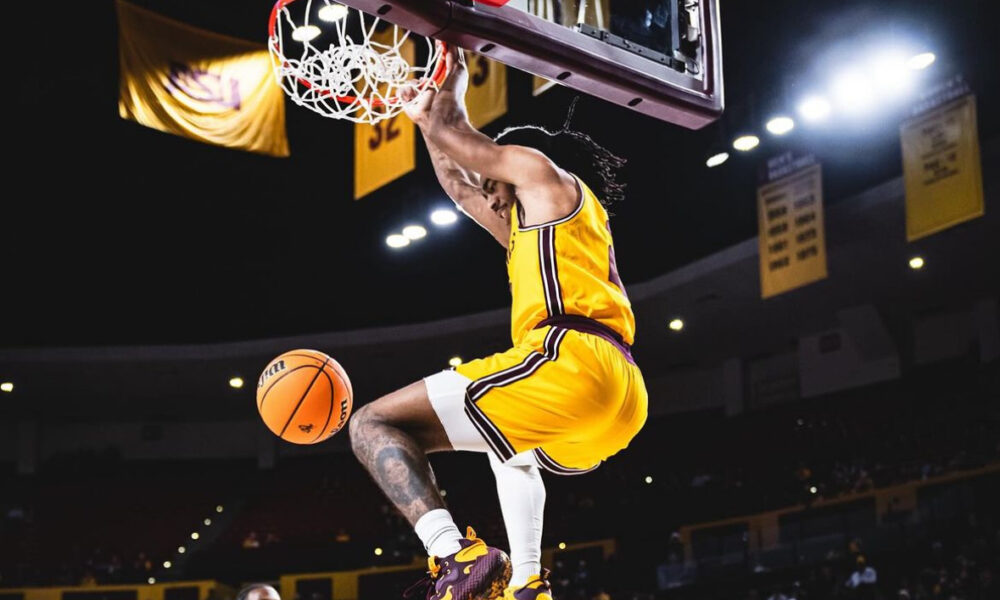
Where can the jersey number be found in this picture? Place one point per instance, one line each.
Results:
(383, 131)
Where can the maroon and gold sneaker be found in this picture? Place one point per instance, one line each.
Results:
(476, 572)
(537, 588)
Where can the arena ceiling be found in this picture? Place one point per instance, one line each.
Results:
(115, 234)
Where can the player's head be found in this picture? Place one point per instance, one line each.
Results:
(257, 591)
(575, 152)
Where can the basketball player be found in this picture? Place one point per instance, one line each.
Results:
(565, 397)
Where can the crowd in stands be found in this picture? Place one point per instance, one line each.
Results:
(97, 519)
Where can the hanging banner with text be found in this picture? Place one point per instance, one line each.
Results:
(486, 97)
(790, 219)
(384, 151)
(941, 168)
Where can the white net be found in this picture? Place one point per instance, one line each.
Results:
(345, 64)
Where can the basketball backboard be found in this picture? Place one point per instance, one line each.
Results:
(659, 57)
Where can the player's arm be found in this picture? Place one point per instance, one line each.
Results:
(463, 191)
(543, 187)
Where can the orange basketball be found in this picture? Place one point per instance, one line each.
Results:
(304, 396)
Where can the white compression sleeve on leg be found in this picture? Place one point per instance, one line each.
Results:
(522, 502)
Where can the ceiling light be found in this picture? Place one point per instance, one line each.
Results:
(780, 125)
(921, 61)
(305, 33)
(443, 216)
(745, 143)
(717, 159)
(414, 232)
(853, 90)
(397, 241)
(814, 108)
(331, 13)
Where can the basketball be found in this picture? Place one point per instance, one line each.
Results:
(304, 396)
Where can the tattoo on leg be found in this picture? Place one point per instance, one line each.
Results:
(398, 465)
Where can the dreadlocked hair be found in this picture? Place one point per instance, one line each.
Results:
(573, 151)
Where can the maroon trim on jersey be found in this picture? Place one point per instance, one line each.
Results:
(550, 271)
(520, 371)
(591, 326)
(550, 465)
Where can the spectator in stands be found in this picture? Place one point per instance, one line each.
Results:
(258, 591)
(250, 542)
(863, 579)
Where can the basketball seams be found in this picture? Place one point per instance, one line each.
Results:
(329, 413)
(302, 398)
(270, 387)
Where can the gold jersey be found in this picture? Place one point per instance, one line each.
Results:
(567, 267)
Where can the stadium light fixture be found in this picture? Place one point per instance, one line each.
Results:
(207, 522)
(195, 535)
(562, 545)
(676, 325)
(151, 580)
(167, 564)
(917, 263)
(921, 61)
(812, 490)
(397, 241)
(649, 479)
(853, 90)
(746, 143)
(331, 13)
(218, 508)
(306, 33)
(378, 552)
(455, 361)
(236, 383)
(815, 108)
(414, 232)
(6, 386)
(717, 159)
(443, 216)
(181, 549)
(780, 125)
(891, 74)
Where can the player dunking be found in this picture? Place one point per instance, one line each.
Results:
(565, 397)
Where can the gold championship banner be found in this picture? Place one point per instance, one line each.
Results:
(384, 151)
(198, 84)
(941, 168)
(486, 98)
(791, 235)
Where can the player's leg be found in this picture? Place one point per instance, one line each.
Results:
(391, 438)
(520, 488)
(522, 503)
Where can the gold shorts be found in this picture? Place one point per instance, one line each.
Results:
(572, 398)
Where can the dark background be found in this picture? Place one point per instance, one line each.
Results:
(113, 233)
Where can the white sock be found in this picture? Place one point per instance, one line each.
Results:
(522, 503)
(437, 530)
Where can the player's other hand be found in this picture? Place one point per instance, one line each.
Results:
(418, 102)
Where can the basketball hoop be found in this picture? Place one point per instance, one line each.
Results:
(345, 64)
